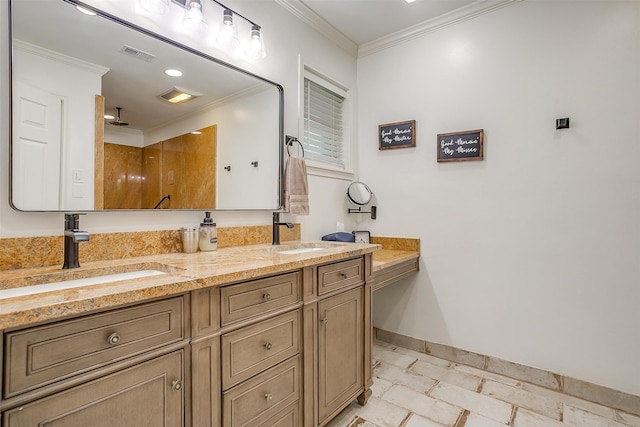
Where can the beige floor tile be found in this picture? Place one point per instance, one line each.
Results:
(446, 375)
(393, 358)
(403, 377)
(594, 408)
(424, 357)
(542, 405)
(382, 413)
(624, 418)
(418, 421)
(344, 418)
(422, 404)
(474, 402)
(526, 418)
(379, 386)
(475, 420)
(578, 417)
(488, 375)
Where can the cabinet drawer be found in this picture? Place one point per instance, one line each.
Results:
(263, 396)
(250, 299)
(289, 417)
(44, 354)
(340, 275)
(253, 349)
(148, 394)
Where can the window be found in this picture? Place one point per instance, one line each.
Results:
(324, 130)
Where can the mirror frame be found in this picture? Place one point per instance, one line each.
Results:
(351, 199)
(117, 20)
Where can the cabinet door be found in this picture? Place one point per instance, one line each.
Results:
(340, 348)
(150, 394)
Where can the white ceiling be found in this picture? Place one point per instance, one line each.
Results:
(363, 21)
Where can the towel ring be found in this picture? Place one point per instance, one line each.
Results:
(289, 143)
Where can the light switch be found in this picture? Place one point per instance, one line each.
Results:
(78, 175)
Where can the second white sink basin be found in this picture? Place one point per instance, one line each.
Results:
(76, 283)
(299, 251)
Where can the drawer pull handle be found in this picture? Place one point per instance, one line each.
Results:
(176, 385)
(269, 397)
(343, 275)
(268, 345)
(266, 297)
(114, 339)
(325, 320)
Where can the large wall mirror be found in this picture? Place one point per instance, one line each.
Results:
(218, 149)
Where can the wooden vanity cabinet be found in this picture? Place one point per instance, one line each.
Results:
(125, 367)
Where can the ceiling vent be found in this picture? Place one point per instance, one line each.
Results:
(137, 53)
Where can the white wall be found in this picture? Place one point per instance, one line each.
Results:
(532, 255)
(76, 82)
(286, 37)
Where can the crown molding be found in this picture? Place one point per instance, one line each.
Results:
(464, 13)
(308, 16)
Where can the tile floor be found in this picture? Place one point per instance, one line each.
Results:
(412, 389)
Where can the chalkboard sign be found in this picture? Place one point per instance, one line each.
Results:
(397, 135)
(461, 146)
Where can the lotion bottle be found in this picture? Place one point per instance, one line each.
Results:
(208, 240)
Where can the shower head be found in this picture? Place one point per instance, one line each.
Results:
(118, 121)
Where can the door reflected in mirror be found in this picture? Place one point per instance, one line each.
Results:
(70, 69)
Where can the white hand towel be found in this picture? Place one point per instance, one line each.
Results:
(296, 187)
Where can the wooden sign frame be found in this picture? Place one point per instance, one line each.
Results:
(461, 146)
(397, 135)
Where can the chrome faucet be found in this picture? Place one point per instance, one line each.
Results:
(72, 236)
(276, 227)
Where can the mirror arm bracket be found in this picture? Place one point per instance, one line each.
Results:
(373, 211)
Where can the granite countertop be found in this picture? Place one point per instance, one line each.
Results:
(184, 272)
(386, 258)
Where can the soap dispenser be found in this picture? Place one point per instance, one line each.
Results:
(208, 240)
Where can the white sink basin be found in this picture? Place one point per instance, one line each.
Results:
(76, 283)
(299, 251)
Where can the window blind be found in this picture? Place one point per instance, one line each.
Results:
(323, 124)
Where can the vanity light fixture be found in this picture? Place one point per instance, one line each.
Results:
(256, 44)
(155, 6)
(194, 19)
(228, 34)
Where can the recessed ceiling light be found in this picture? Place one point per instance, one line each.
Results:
(173, 73)
(196, 132)
(409, 1)
(109, 117)
(86, 11)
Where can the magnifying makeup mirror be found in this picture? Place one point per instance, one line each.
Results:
(359, 194)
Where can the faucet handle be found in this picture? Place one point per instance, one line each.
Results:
(72, 220)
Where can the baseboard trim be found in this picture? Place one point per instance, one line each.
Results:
(622, 401)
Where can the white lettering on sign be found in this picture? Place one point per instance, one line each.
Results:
(396, 135)
(461, 146)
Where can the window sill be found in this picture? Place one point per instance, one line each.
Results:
(328, 172)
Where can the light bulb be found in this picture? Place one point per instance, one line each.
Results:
(228, 34)
(194, 16)
(155, 6)
(256, 44)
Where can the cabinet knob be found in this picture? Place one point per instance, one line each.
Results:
(266, 297)
(176, 385)
(325, 320)
(269, 397)
(343, 275)
(268, 345)
(114, 338)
